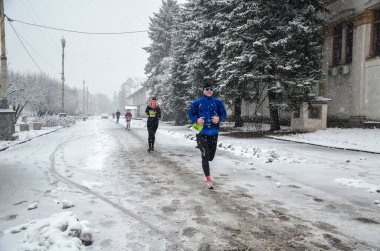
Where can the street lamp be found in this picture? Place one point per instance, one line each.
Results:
(63, 41)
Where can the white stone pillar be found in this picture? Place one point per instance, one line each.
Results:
(361, 51)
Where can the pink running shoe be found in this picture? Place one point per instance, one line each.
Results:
(209, 183)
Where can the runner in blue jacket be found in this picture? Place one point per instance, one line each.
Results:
(208, 112)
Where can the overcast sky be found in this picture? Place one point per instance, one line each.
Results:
(103, 61)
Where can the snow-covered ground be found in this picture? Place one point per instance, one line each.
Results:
(25, 136)
(96, 182)
(356, 138)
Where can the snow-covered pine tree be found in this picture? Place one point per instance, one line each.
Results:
(180, 98)
(294, 36)
(236, 71)
(286, 51)
(160, 60)
(202, 40)
(299, 65)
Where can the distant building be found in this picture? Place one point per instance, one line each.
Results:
(351, 60)
(139, 99)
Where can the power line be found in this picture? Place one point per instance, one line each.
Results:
(42, 31)
(75, 31)
(26, 48)
(31, 47)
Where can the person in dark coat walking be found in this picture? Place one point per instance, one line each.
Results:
(207, 112)
(117, 116)
(154, 114)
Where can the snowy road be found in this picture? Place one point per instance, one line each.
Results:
(140, 201)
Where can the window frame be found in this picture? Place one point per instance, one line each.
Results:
(349, 43)
(375, 40)
(337, 55)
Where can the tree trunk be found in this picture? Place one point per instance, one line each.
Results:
(18, 111)
(181, 118)
(274, 115)
(237, 112)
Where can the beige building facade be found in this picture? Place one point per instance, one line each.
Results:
(140, 100)
(351, 60)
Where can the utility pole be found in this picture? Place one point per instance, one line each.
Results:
(63, 41)
(4, 70)
(7, 127)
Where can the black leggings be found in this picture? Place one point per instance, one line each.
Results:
(152, 126)
(207, 146)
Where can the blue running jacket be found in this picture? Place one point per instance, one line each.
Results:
(207, 107)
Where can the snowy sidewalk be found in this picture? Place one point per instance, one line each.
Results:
(356, 139)
(26, 136)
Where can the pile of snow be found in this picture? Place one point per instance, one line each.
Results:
(266, 155)
(55, 120)
(65, 203)
(62, 231)
(32, 206)
(26, 136)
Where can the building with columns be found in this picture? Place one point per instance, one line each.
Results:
(352, 60)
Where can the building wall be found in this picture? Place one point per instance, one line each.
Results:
(355, 87)
(372, 99)
(248, 109)
(139, 99)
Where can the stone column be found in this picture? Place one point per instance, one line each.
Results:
(361, 51)
(326, 59)
(7, 128)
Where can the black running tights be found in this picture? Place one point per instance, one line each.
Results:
(208, 148)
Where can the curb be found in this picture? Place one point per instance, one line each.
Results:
(332, 147)
(24, 141)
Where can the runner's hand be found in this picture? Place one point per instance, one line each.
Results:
(200, 121)
(215, 120)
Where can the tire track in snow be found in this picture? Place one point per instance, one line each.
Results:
(126, 211)
(271, 233)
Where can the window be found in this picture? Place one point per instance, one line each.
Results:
(376, 34)
(315, 112)
(297, 114)
(337, 45)
(343, 37)
(349, 41)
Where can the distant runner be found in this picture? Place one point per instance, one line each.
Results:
(128, 118)
(154, 114)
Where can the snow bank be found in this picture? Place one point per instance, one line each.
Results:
(49, 123)
(266, 155)
(62, 231)
(354, 138)
(26, 136)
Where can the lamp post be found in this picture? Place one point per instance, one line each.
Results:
(63, 41)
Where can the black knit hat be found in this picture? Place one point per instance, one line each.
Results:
(207, 85)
